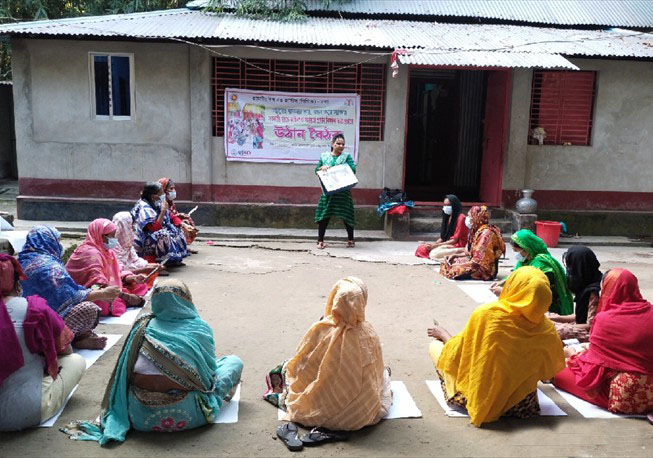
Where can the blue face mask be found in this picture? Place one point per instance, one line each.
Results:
(519, 257)
(111, 243)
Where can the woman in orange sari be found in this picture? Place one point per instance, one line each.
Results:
(486, 246)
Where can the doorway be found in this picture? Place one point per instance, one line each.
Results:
(448, 147)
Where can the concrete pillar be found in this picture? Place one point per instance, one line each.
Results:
(200, 123)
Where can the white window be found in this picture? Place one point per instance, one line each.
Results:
(112, 85)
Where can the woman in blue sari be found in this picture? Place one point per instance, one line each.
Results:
(47, 277)
(167, 377)
(155, 235)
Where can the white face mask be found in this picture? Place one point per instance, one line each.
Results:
(519, 257)
(111, 243)
(447, 209)
(162, 198)
(172, 195)
(468, 222)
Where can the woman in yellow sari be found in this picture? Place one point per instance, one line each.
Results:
(492, 367)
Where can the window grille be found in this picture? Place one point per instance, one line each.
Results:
(367, 80)
(562, 103)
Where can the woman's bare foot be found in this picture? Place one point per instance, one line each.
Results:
(132, 300)
(321, 245)
(92, 342)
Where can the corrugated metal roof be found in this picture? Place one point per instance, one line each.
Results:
(614, 13)
(486, 59)
(343, 33)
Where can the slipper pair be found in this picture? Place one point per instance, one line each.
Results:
(289, 434)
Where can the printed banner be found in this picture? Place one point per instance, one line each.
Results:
(265, 126)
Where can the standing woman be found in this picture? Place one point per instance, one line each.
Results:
(156, 236)
(339, 204)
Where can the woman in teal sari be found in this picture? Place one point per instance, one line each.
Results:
(167, 377)
(530, 250)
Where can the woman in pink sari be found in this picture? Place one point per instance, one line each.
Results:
(94, 265)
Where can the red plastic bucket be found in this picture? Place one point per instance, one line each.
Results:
(549, 232)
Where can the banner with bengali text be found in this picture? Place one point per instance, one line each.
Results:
(287, 127)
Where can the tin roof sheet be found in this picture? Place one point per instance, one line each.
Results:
(448, 39)
(615, 13)
(486, 59)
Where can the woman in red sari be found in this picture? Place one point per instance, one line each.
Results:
(616, 372)
(486, 246)
(180, 220)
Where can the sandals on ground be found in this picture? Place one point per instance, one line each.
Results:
(288, 433)
(351, 244)
(321, 245)
(319, 436)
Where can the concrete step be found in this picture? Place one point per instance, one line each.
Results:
(432, 224)
(436, 211)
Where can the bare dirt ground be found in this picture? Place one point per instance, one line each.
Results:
(261, 297)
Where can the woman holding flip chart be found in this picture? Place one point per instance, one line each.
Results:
(340, 204)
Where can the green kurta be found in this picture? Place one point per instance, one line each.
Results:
(339, 204)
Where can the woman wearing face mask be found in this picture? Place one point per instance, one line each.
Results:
(94, 265)
(180, 220)
(486, 246)
(530, 250)
(155, 235)
(453, 232)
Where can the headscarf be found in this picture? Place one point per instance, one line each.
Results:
(448, 226)
(44, 331)
(506, 347)
(165, 182)
(46, 275)
(179, 343)
(336, 376)
(621, 335)
(583, 277)
(124, 251)
(91, 263)
(480, 217)
(542, 259)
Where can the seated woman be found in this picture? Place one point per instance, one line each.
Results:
(336, 379)
(530, 250)
(94, 265)
(453, 232)
(47, 277)
(167, 377)
(481, 262)
(125, 252)
(156, 236)
(33, 338)
(181, 221)
(492, 367)
(584, 280)
(616, 372)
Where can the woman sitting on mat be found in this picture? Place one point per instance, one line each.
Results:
(167, 377)
(125, 252)
(156, 236)
(492, 367)
(33, 340)
(181, 221)
(47, 277)
(481, 262)
(339, 204)
(337, 379)
(616, 372)
(94, 265)
(453, 232)
(584, 280)
(530, 250)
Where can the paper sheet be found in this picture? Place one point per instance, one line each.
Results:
(589, 410)
(548, 408)
(15, 238)
(126, 318)
(91, 356)
(229, 411)
(479, 292)
(403, 405)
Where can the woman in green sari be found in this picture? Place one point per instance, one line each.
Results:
(167, 377)
(530, 250)
(339, 204)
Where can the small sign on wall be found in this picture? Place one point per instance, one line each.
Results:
(288, 127)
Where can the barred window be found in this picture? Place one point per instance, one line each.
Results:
(562, 103)
(367, 80)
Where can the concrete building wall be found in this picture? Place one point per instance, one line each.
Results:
(620, 155)
(59, 138)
